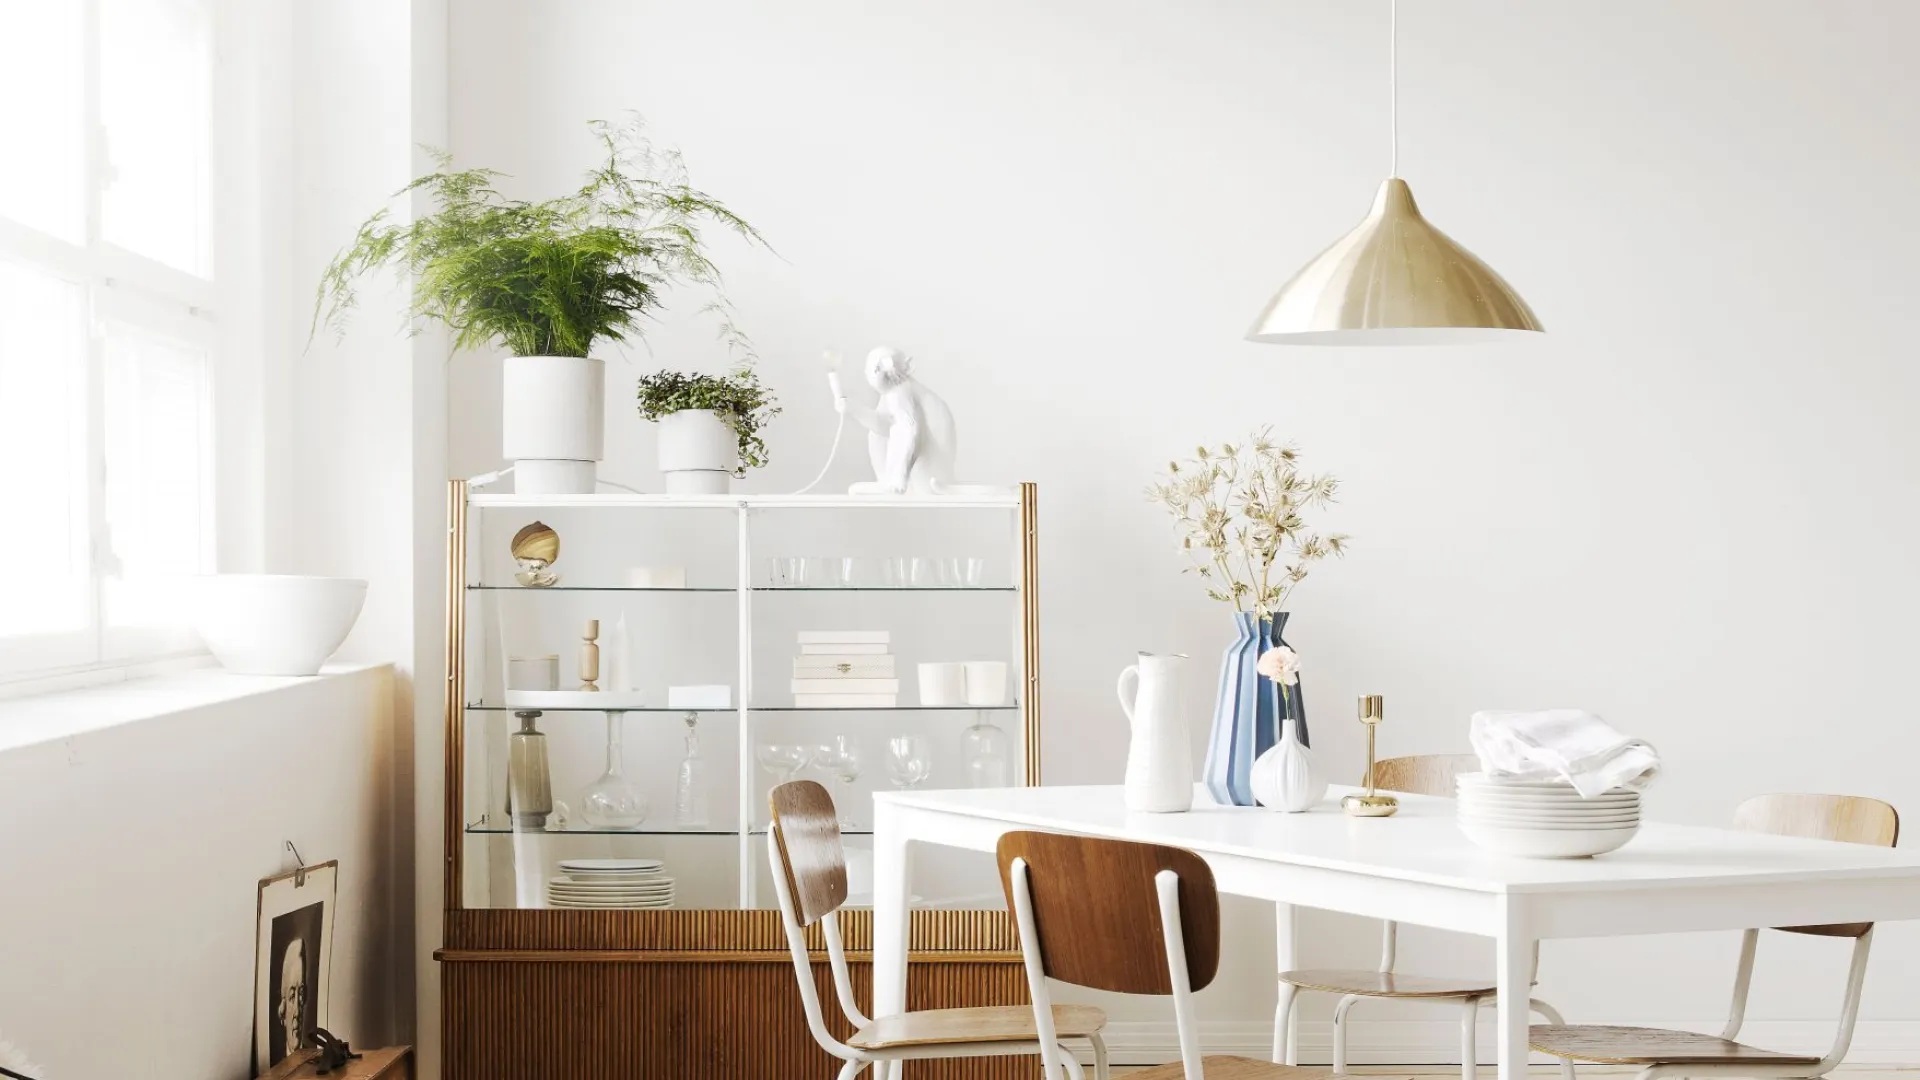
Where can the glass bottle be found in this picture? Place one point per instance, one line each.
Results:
(690, 793)
(984, 747)
(614, 802)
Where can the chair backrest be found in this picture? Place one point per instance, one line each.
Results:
(1847, 818)
(1422, 774)
(807, 828)
(1096, 910)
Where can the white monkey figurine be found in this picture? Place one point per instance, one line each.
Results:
(910, 434)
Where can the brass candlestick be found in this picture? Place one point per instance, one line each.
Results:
(1373, 804)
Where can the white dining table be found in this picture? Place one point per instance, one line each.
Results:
(1416, 867)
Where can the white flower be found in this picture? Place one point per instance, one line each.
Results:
(1282, 665)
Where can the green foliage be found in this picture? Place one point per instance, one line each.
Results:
(742, 403)
(550, 278)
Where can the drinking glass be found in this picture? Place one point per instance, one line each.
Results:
(786, 572)
(827, 572)
(782, 760)
(909, 761)
(896, 572)
(841, 760)
(924, 573)
(973, 572)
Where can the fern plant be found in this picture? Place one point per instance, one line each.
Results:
(739, 399)
(550, 278)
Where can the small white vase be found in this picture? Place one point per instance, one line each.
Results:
(1286, 777)
(698, 452)
(553, 422)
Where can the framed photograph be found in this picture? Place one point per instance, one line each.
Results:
(293, 952)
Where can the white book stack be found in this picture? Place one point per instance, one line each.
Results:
(845, 669)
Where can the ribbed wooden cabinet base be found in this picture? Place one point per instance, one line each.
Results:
(699, 995)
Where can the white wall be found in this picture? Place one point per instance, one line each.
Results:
(362, 446)
(132, 861)
(1687, 508)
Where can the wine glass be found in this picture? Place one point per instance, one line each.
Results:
(782, 760)
(841, 760)
(909, 761)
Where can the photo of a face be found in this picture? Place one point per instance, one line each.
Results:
(295, 970)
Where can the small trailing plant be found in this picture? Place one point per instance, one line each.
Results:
(1239, 513)
(550, 278)
(739, 399)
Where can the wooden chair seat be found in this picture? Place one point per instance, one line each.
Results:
(998, 1024)
(1387, 984)
(1610, 1045)
(1236, 1068)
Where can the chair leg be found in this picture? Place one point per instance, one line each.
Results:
(1284, 1050)
(1469, 1032)
(1099, 1056)
(1071, 1061)
(1340, 1031)
(851, 1069)
(1553, 1016)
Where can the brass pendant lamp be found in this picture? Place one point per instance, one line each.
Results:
(1395, 279)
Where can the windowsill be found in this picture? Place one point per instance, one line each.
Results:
(43, 718)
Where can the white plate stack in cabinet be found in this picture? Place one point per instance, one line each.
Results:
(845, 669)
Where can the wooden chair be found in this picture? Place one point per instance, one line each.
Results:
(810, 879)
(1430, 774)
(1661, 1052)
(1127, 918)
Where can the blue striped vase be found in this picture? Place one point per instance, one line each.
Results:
(1248, 710)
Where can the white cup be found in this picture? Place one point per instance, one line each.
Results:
(943, 684)
(986, 682)
(533, 672)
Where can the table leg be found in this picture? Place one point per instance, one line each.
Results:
(1286, 1049)
(892, 871)
(1515, 950)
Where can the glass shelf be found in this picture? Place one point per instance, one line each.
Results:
(885, 708)
(503, 830)
(756, 588)
(602, 588)
(489, 707)
(752, 708)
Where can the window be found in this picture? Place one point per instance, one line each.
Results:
(107, 327)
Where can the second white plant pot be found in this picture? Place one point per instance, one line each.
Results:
(553, 422)
(698, 452)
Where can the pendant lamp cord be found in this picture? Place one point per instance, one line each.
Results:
(1393, 85)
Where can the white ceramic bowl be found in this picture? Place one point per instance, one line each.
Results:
(275, 624)
(1547, 844)
(1558, 826)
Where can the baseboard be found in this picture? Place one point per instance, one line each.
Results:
(1437, 1042)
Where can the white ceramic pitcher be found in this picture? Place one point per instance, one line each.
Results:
(1159, 761)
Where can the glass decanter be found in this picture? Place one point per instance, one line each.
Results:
(984, 747)
(613, 801)
(690, 809)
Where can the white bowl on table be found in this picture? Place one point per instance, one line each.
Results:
(1535, 843)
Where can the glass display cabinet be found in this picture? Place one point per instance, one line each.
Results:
(627, 677)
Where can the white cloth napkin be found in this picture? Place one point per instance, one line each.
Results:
(1568, 744)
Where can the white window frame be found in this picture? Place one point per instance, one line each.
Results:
(127, 289)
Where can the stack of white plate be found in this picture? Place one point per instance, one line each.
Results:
(1544, 819)
(610, 883)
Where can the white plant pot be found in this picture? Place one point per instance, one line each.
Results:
(698, 452)
(275, 624)
(553, 421)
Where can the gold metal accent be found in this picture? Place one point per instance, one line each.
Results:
(456, 691)
(1030, 626)
(1394, 280)
(1373, 709)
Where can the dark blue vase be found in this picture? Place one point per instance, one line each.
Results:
(1248, 711)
